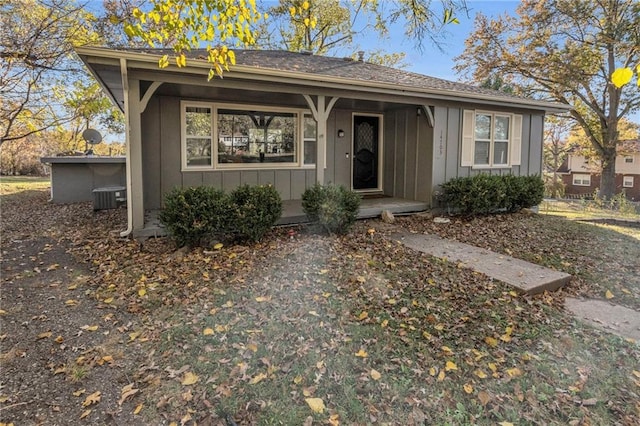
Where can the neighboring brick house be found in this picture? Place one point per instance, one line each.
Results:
(581, 175)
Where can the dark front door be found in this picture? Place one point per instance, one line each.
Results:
(365, 152)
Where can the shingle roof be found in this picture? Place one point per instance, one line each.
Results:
(629, 146)
(346, 68)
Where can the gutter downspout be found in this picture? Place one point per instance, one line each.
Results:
(125, 88)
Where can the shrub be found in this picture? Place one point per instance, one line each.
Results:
(192, 214)
(256, 209)
(484, 194)
(333, 207)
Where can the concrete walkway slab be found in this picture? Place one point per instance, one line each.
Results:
(607, 316)
(525, 276)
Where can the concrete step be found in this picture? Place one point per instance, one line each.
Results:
(524, 276)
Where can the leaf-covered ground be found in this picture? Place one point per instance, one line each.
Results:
(303, 329)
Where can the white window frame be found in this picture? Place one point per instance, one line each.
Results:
(183, 134)
(578, 179)
(299, 114)
(306, 115)
(514, 144)
(627, 181)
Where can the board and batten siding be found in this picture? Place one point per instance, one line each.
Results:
(408, 154)
(447, 146)
(161, 150)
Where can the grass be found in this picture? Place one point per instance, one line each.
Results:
(590, 209)
(317, 316)
(380, 333)
(10, 185)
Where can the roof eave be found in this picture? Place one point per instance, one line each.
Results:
(201, 67)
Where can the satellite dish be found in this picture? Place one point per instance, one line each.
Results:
(92, 136)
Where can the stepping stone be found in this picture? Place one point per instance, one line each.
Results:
(607, 316)
(525, 276)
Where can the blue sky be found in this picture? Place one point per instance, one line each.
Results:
(439, 62)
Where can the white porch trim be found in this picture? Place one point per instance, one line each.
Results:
(320, 112)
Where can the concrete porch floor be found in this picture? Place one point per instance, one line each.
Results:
(292, 213)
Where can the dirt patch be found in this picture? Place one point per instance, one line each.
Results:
(59, 347)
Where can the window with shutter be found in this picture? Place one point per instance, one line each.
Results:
(491, 139)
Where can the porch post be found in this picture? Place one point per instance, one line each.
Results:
(135, 141)
(133, 135)
(321, 112)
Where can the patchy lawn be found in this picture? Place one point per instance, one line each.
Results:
(304, 328)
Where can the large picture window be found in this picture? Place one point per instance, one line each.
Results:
(256, 136)
(249, 137)
(491, 139)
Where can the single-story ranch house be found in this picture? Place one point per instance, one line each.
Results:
(293, 119)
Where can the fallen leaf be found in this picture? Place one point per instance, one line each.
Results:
(361, 353)
(441, 376)
(316, 404)
(59, 339)
(89, 327)
(589, 402)
(258, 378)
(481, 374)
(189, 378)
(85, 414)
(109, 300)
(375, 375)
(79, 392)
(71, 302)
(208, 331)
(127, 392)
(44, 335)
(468, 388)
(94, 398)
(297, 380)
(505, 424)
(261, 299)
(218, 246)
(142, 292)
(3, 312)
(484, 398)
(514, 372)
(450, 366)
(608, 294)
(137, 410)
(363, 315)
(491, 341)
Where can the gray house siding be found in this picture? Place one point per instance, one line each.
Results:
(417, 158)
(162, 161)
(73, 179)
(447, 146)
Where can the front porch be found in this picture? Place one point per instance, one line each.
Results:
(292, 213)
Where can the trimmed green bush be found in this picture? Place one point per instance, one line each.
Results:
(256, 210)
(484, 194)
(333, 207)
(193, 214)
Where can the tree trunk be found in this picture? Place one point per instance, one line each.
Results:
(608, 179)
